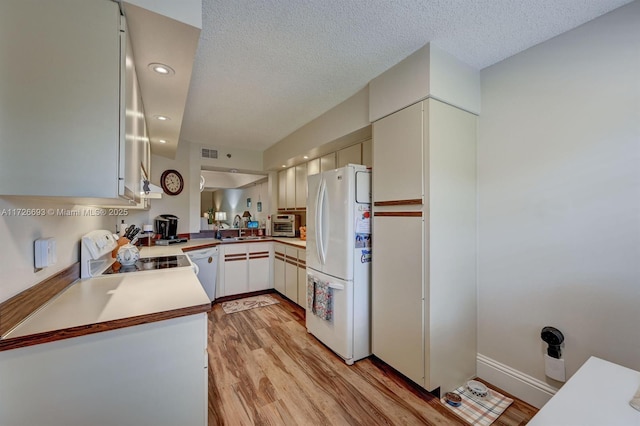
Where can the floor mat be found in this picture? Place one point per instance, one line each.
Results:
(479, 411)
(247, 303)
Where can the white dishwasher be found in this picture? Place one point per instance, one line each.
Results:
(206, 261)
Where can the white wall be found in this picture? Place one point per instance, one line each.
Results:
(18, 233)
(234, 201)
(341, 126)
(241, 159)
(187, 11)
(178, 205)
(559, 198)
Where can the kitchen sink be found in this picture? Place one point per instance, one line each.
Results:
(248, 238)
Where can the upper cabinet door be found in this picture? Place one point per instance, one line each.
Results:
(301, 186)
(349, 155)
(367, 155)
(282, 189)
(291, 187)
(313, 167)
(328, 162)
(398, 149)
(60, 91)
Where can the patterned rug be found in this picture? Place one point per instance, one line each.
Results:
(479, 411)
(247, 303)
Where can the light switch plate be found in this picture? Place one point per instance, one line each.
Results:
(45, 252)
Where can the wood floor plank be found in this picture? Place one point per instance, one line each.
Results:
(265, 369)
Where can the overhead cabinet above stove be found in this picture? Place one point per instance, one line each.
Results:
(71, 122)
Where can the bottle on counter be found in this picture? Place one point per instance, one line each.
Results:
(123, 227)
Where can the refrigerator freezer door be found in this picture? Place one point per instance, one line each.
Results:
(330, 225)
(337, 333)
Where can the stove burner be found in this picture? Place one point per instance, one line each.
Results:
(152, 264)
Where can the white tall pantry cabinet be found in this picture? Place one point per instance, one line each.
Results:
(424, 225)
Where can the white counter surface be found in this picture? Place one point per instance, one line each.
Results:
(116, 297)
(597, 394)
(108, 298)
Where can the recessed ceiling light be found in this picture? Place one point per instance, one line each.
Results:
(161, 117)
(162, 140)
(161, 69)
(284, 165)
(305, 157)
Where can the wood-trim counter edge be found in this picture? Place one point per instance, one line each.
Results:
(83, 330)
(14, 310)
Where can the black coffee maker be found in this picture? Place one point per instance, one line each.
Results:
(167, 226)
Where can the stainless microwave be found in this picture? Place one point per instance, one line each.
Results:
(285, 225)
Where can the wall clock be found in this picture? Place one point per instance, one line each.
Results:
(172, 182)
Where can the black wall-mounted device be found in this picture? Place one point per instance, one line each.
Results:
(554, 338)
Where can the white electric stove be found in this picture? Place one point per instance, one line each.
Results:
(96, 259)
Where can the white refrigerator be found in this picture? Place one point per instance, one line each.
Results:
(339, 260)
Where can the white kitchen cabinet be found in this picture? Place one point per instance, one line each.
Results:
(349, 155)
(291, 273)
(260, 266)
(302, 278)
(399, 158)
(291, 188)
(313, 167)
(64, 107)
(282, 189)
(245, 267)
(279, 254)
(235, 273)
(149, 374)
(328, 162)
(423, 275)
(367, 153)
(287, 189)
(397, 294)
(301, 186)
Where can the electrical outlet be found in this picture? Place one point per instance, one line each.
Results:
(554, 368)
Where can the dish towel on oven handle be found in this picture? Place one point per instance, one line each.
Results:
(320, 298)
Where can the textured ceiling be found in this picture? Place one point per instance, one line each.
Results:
(266, 67)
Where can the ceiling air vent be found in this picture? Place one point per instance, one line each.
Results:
(209, 153)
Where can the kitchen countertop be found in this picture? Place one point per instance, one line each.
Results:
(201, 243)
(597, 394)
(103, 303)
(115, 297)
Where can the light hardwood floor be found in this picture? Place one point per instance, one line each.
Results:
(265, 369)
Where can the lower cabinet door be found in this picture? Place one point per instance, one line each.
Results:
(259, 266)
(302, 279)
(278, 268)
(235, 280)
(291, 279)
(397, 302)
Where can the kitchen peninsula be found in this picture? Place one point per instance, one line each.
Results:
(142, 333)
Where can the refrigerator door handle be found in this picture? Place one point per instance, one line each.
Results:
(319, 219)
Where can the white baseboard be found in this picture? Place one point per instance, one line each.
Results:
(523, 386)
